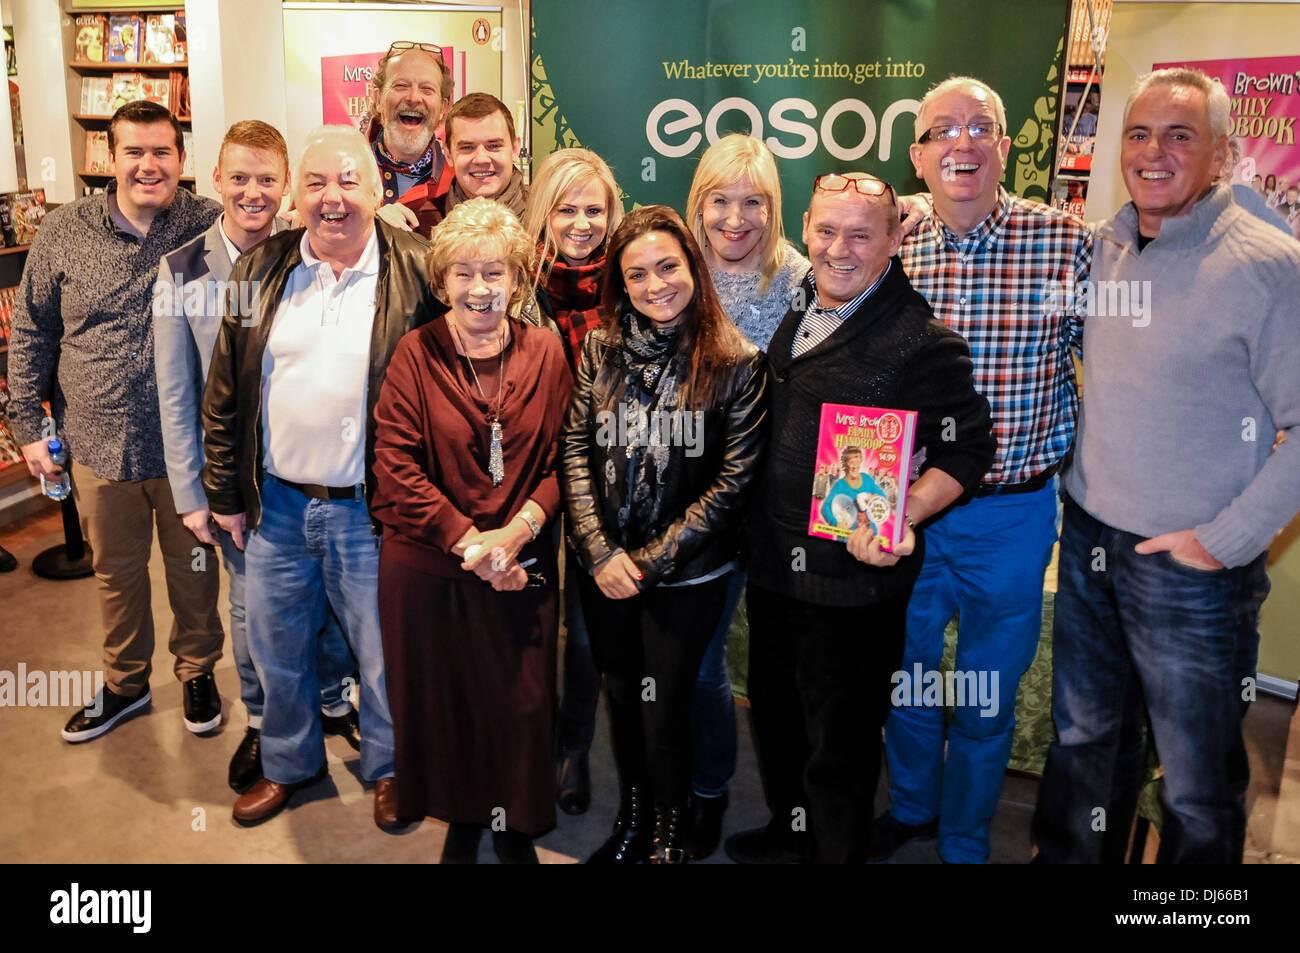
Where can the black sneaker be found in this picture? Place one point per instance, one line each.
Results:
(202, 704)
(102, 715)
(888, 834)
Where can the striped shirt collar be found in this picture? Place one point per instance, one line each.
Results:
(849, 308)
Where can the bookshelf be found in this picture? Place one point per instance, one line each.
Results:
(117, 56)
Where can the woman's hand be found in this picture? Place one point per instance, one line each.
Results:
(618, 577)
(499, 546)
(513, 579)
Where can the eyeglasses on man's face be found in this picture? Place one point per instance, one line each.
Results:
(979, 131)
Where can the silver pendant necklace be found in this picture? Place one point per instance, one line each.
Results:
(496, 461)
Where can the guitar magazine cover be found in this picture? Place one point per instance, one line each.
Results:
(864, 458)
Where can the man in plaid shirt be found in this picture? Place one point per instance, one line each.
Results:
(1000, 270)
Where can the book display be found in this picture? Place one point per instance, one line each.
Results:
(1080, 103)
(122, 58)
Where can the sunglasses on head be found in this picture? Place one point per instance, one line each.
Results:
(865, 185)
(403, 45)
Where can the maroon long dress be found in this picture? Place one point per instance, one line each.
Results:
(470, 671)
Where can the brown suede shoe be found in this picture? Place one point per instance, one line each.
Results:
(386, 818)
(267, 798)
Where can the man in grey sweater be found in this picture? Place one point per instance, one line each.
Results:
(1174, 494)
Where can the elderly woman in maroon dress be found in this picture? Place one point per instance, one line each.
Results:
(465, 455)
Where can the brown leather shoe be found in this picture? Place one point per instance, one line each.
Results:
(386, 818)
(267, 798)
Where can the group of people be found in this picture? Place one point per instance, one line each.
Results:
(395, 420)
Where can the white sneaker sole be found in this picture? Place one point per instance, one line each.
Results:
(76, 737)
(199, 727)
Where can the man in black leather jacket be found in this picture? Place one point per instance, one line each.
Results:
(288, 418)
(827, 620)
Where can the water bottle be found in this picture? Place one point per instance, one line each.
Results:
(57, 487)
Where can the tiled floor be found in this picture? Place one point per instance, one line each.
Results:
(150, 791)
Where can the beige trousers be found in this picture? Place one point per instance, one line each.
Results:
(118, 518)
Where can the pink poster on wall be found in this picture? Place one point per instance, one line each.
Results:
(1265, 95)
(345, 84)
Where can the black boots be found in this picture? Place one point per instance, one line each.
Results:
(630, 843)
(669, 845)
(461, 845)
(573, 784)
(706, 825)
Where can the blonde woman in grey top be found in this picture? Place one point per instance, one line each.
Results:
(734, 209)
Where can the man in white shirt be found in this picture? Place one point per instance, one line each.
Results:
(289, 441)
(252, 177)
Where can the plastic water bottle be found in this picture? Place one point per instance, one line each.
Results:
(57, 487)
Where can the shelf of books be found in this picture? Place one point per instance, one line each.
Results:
(12, 467)
(121, 58)
(1081, 101)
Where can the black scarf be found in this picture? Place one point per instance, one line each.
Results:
(636, 458)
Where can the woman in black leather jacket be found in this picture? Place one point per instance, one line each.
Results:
(661, 445)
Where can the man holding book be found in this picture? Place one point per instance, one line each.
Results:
(826, 619)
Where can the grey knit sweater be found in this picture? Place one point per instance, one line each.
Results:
(1179, 414)
(758, 317)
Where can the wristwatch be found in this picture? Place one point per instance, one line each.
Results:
(532, 523)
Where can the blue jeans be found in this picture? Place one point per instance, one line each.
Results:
(713, 711)
(304, 557)
(1132, 629)
(334, 660)
(985, 561)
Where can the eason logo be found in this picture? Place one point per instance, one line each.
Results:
(103, 907)
(55, 689)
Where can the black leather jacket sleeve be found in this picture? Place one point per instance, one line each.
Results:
(220, 421)
(719, 507)
(586, 529)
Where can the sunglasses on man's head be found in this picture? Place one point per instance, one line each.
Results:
(865, 185)
(403, 45)
(978, 131)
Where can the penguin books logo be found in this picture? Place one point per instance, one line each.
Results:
(103, 907)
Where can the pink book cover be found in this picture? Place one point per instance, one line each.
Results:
(864, 456)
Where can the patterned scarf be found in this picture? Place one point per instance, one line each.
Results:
(574, 291)
(515, 197)
(639, 463)
(416, 170)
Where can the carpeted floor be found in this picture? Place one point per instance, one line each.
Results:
(152, 792)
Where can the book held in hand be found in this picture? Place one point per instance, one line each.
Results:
(860, 476)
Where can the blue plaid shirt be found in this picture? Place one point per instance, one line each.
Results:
(1008, 287)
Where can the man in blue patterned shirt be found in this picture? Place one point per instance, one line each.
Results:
(1001, 271)
(83, 340)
